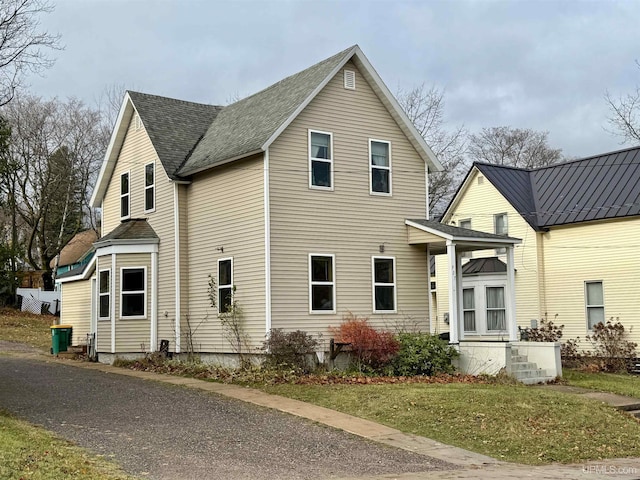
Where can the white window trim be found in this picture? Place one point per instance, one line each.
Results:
(128, 195)
(312, 283)
(587, 306)
(148, 187)
(230, 285)
(375, 284)
(108, 294)
(389, 168)
(131, 292)
(486, 311)
(313, 159)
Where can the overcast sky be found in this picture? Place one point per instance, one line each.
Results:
(540, 65)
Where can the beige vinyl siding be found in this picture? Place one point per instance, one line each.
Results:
(347, 222)
(184, 251)
(137, 151)
(479, 202)
(75, 309)
(133, 335)
(103, 334)
(226, 211)
(599, 251)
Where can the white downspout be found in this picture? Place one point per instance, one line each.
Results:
(267, 244)
(176, 227)
(426, 188)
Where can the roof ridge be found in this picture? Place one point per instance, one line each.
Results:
(590, 157)
(174, 99)
(510, 167)
(273, 85)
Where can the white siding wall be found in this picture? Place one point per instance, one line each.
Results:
(347, 222)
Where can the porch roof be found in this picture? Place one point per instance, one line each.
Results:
(131, 231)
(437, 235)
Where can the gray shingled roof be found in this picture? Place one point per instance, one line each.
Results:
(174, 126)
(132, 229)
(460, 232)
(245, 126)
(593, 188)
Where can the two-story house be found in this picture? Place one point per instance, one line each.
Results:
(302, 202)
(576, 265)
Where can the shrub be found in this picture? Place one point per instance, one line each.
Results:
(423, 354)
(371, 350)
(571, 356)
(546, 332)
(288, 349)
(610, 346)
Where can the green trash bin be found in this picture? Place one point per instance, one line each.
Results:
(60, 338)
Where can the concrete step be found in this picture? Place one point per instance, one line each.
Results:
(532, 373)
(519, 358)
(635, 413)
(514, 352)
(536, 380)
(517, 366)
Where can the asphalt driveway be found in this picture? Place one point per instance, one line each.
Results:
(162, 431)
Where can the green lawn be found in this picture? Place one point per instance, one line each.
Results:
(17, 326)
(622, 384)
(29, 452)
(512, 423)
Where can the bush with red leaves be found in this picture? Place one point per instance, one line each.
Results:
(370, 349)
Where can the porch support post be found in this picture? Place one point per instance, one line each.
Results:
(432, 323)
(453, 292)
(511, 296)
(460, 324)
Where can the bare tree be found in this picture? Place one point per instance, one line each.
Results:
(515, 147)
(425, 108)
(24, 47)
(624, 111)
(55, 150)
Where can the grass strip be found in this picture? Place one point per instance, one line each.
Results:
(620, 383)
(24, 327)
(30, 452)
(512, 423)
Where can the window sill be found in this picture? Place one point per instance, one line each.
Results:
(382, 312)
(143, 317)
(322, 312)
(380, 194)
(322, 189)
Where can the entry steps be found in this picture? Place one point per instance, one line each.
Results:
(525, 371)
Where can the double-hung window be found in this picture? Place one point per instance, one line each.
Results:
(149, 187)
(466, 223)
(322, 285)
(320, 160)
(500, 227)
(104, 289)
(384, 284)
(594, 303)
(133, 292)
(469, 309)
(225, 284)
(380, 167)
(124, 195)
(496, 311)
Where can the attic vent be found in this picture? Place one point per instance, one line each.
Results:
(480, 180)
(137, 122)
(350, 79)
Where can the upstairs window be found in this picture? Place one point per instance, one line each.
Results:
(133, 292)
(322, 286)
(500, 227)
(384, 284)
(124, 195)
(380, 167)
(594, 302)
(225, 284)
(466, 224)
(320, 160)
(149, 187)
(104, 289)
